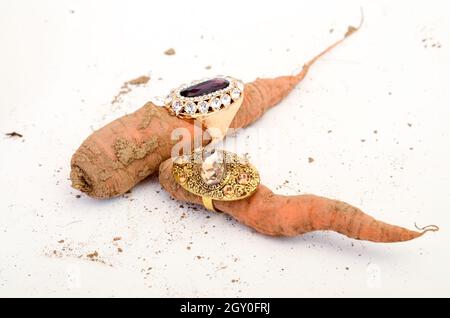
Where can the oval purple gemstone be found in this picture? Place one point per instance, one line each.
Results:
(205, 87)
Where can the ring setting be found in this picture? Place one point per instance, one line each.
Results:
(204, 97)
(216, 175)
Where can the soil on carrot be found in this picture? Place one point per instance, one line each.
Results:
(127, 87)
(127, 151)
(14, 134)
(351, 29)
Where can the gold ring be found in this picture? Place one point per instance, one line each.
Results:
(216, 175)
(214, 101)
(208, 203)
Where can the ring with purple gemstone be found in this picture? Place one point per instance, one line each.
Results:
(205, 99)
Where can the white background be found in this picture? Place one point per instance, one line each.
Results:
(61, 63)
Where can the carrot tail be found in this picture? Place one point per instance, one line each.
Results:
(318, 213)
(351, 30)
(268, 92)
(278, 215)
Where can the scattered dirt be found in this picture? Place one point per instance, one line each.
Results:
(310, 160)
(14, 134)
(117, 238)
(92, 255)
(141, 80)
(409, 125)
(431, 43)
(127, 87)
(70, 250)
(120, 250)
(208, 67)
(170, 51)
(331, 31)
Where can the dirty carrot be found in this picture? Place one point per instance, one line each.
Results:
(116, 157)
(279, 215)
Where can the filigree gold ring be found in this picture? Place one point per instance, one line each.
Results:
(216, 175)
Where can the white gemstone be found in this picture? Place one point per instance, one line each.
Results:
(240, 85)
(177, 106)
(235, 93)
(158, 101)
(213, 167)
(216, 103)
(203, 106)
(226, 99)
(190, 108)
(168, 99)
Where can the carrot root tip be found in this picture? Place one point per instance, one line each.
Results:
(428, 228)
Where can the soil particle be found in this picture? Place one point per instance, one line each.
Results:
(170, 51)
(127, 87)
(93, 255)
(14, 134)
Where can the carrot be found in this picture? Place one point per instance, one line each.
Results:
(116, 157)
(279, 215)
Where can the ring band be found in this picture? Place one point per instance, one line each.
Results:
(214, 101)
(216, 175)
(208, 203)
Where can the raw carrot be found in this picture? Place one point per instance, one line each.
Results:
(116, 157)
(279, 215)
